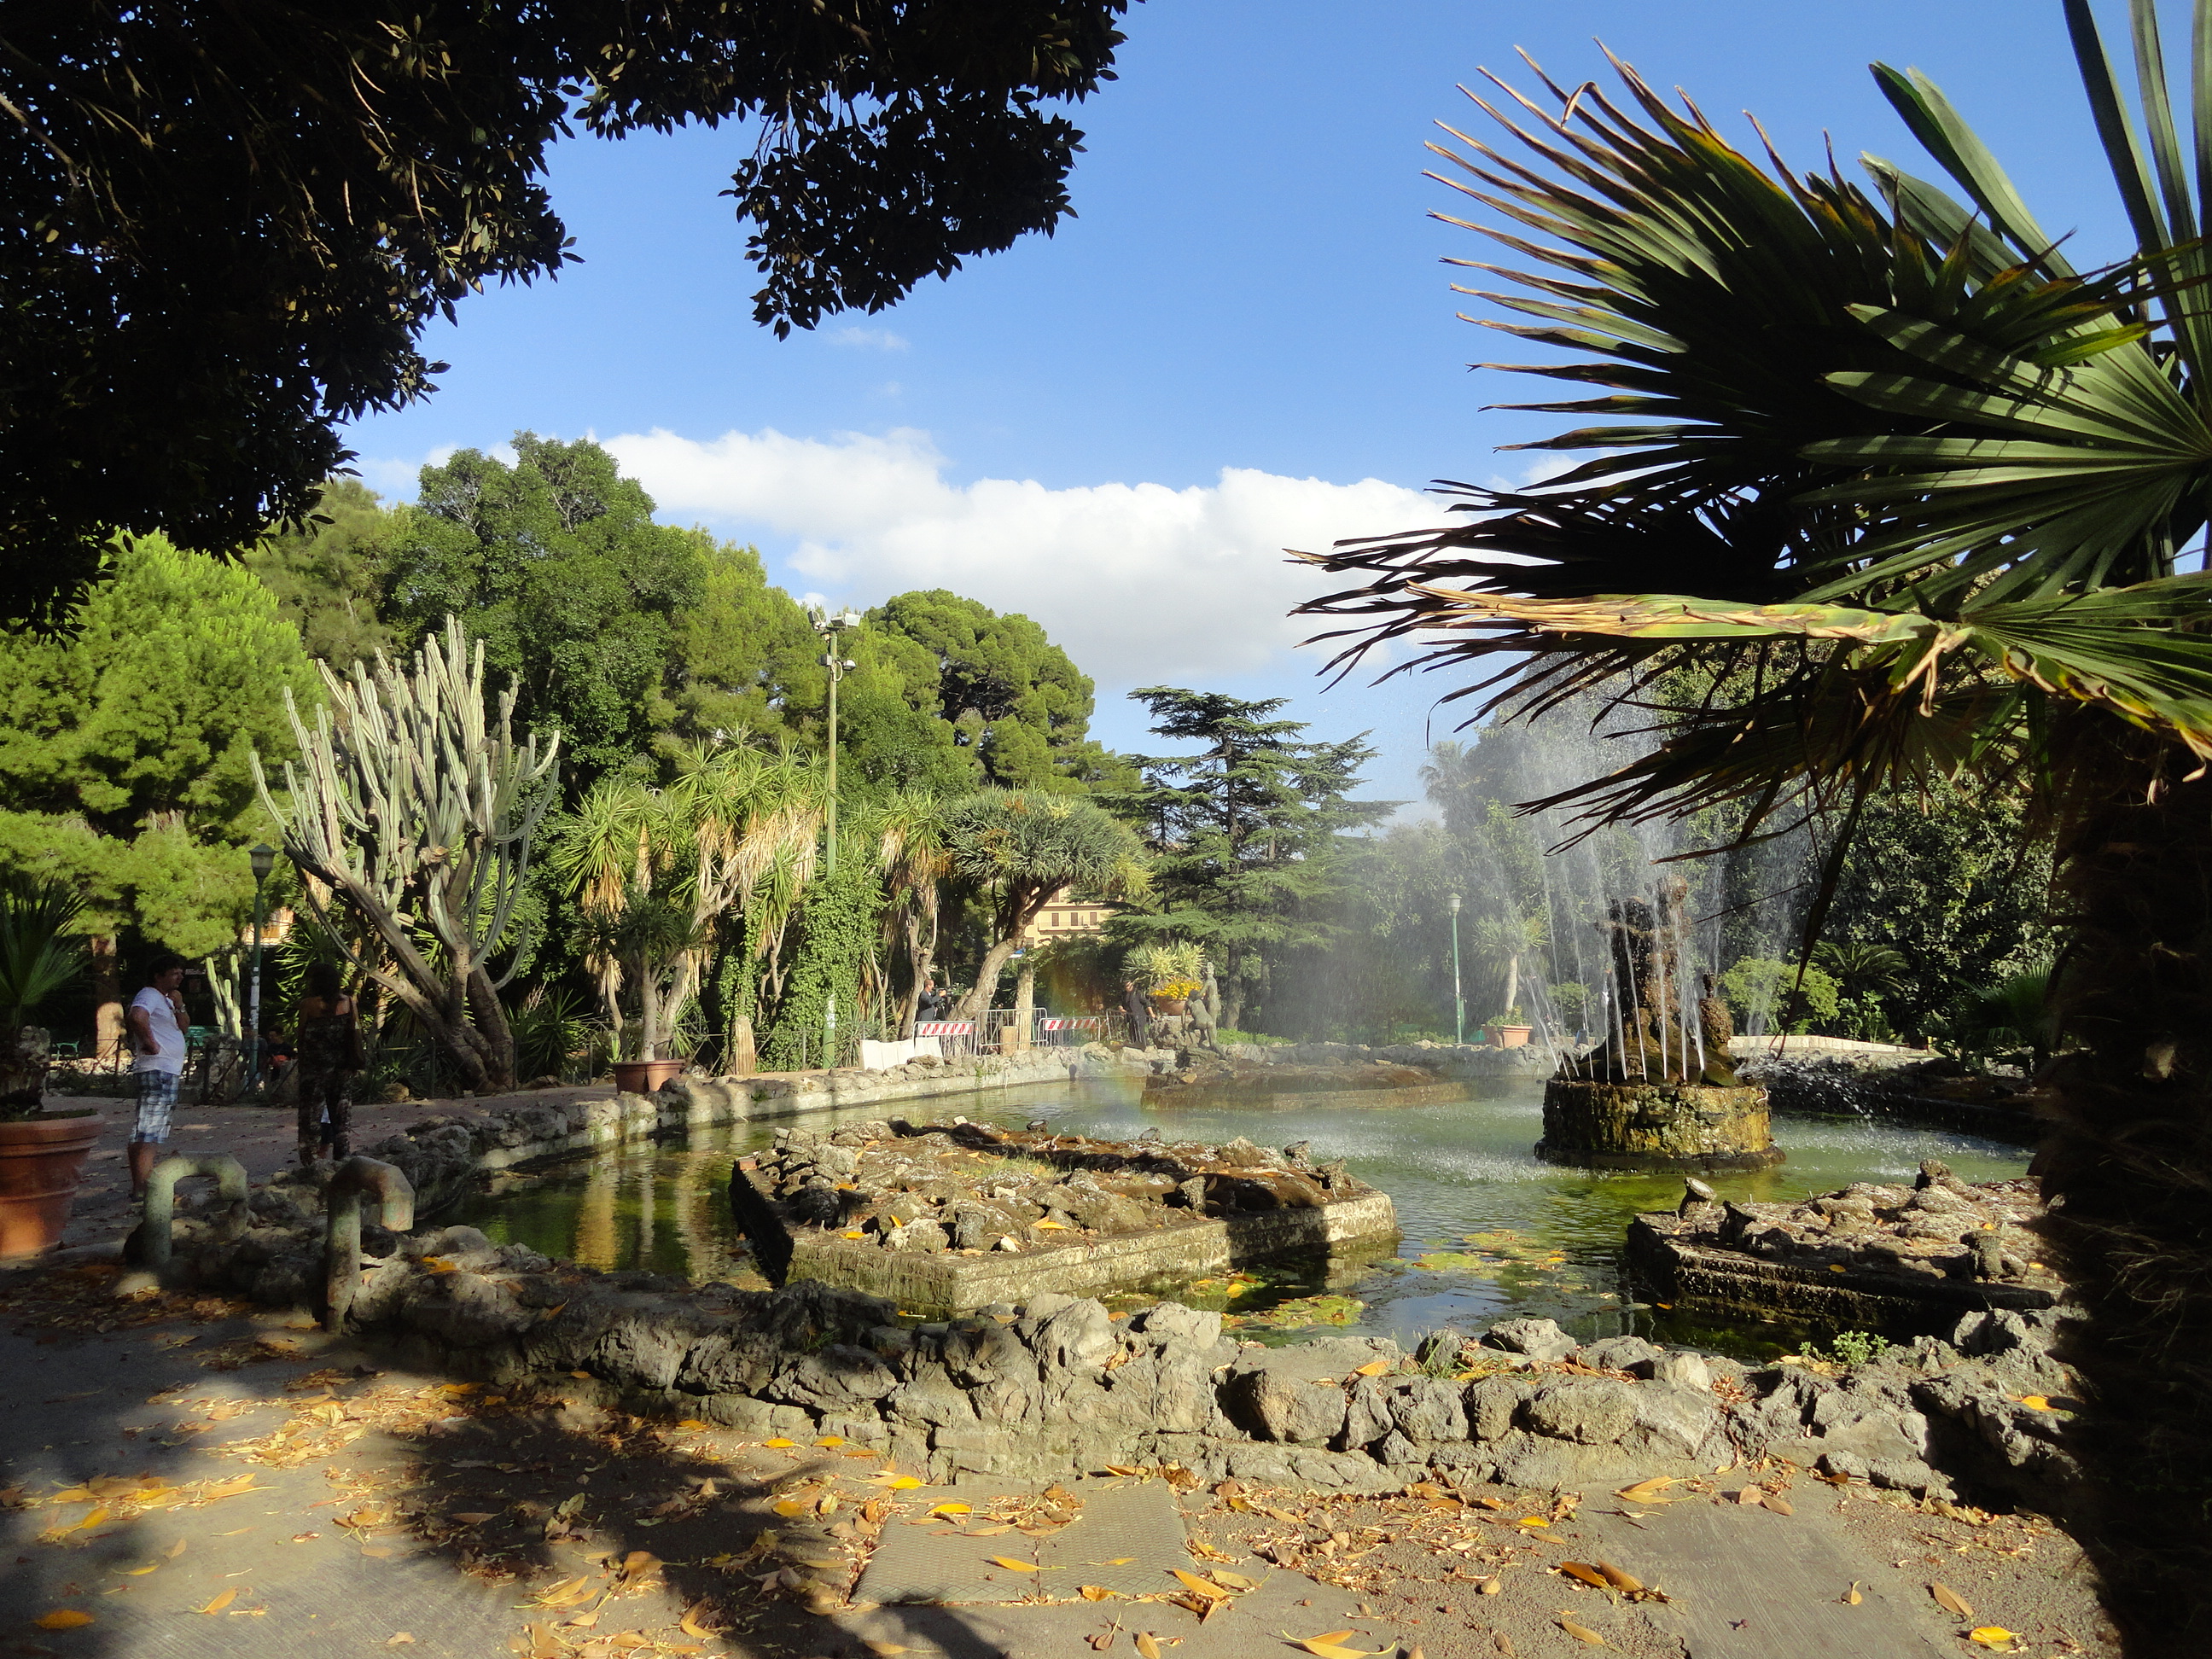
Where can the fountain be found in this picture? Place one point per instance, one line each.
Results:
(1661, 1091)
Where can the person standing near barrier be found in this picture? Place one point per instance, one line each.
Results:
(330, 1055)
(157, 1025)
(1140, 1014)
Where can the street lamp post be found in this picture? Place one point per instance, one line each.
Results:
(839, 665)
(1459, 1002)
(264, 857)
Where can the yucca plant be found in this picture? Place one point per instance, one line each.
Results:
(36, 961)
(1876, 463)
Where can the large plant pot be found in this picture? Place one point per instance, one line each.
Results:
(1169, 1004)
(642, 1077)
(1512, 1037)
(41, 1160)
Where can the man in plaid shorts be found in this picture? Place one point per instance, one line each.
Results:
(157, 1031)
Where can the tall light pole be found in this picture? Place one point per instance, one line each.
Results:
(1459, 1002)
(839, 665)
(264, 857)
(829, 628)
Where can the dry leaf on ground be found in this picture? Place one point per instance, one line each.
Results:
(62, 1619)
(1950, 1601)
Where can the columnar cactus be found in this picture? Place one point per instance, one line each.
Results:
(415, 812)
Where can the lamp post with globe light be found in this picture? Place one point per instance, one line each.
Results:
(1459, 1002)
(264, 857)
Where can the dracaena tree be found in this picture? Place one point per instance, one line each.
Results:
(1015, 848)
(657, 870)
(1875, 461)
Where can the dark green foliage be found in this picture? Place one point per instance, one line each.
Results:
(1017, 706)
(225, 227)
(328, 573)
(123, 753)
(835, 935)
(557, 565)
(1955, 884)
(1246, 833)
(742, 657)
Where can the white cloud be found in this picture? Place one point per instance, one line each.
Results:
(1137, 582)
(868, 339)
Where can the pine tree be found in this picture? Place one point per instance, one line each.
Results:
(1245, 833)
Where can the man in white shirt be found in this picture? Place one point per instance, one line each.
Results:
(157, 1033)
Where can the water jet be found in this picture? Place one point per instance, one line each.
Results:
(1660, 1091)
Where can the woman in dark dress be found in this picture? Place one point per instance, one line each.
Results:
(329, 1045)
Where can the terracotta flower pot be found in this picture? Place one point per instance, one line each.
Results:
(41, 1159)
(1511, 1036)
(1169, 1004)
(642, 1077)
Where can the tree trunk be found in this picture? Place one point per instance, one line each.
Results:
(495, 1038)
(978, 1002)
(744, 1058)
(1512, 984)
(1017, 1036)
(2127, 1166)
(107, 999)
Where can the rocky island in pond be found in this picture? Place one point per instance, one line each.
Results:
(1897, 1260)
(956, 1217)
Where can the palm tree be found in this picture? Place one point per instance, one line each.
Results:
(1504, 943)
(1016, 849)
(1910, 494)
(655, 870)
(909, 831)
(36, 960)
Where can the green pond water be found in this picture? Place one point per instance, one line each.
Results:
(1489, 1231)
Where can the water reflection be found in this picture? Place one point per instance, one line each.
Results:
(1489, 1231)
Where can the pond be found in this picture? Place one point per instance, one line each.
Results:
(1489, 1231)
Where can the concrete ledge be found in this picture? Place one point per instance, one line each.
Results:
(946, 1283)
(1858, 1299)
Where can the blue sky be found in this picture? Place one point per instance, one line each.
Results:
(1246, 341)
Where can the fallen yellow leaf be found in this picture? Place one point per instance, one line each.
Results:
(694, 1423)
(1013, 1565)
(689, 1624)
(220, 1602)
(1146, 1646)
(951, 1509)
(1372, 1368)
(1950, 1601)
(1647, 1491)
(904, 1482)
(1093, 1592)
(1205, 1586)
(1330, 1650)
(885, 1650)
(779, 1443)
(566, 1593)
(831, 1440)
(1992, 1635)
(62, 1619)
(1582, 1632)
(1588, 1574)
(2036, 1402)
(438, 1264)
(1851, 1597)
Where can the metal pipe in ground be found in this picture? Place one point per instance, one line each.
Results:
(395, 1197)
(159, 1215)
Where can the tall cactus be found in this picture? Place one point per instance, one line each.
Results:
(413, 811)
